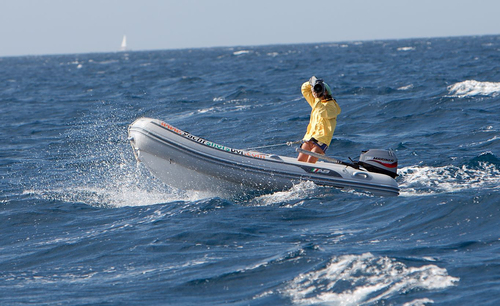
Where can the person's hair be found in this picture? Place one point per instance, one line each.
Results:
(327, 94)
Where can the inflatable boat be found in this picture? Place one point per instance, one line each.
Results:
(188, 162)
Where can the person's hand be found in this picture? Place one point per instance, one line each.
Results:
(313, 81)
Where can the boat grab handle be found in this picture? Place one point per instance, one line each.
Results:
(360, 174)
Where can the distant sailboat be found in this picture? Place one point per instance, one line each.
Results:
(124, 43)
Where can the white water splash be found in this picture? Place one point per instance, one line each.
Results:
(364, 279)
(111, 196)
(471, 88)
(112, 183)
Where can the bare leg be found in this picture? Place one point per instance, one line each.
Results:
(305, 146)
(309, 146)
(315, 149)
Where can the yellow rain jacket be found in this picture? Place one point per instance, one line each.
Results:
(323, 116)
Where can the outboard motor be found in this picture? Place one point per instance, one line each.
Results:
(380, 161)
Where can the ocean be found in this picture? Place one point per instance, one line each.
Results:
(82, 223)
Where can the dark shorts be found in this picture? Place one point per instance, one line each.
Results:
(320, 145)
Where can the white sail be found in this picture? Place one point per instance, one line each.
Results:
(124, 43)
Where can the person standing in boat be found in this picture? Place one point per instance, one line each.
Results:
(323, 119)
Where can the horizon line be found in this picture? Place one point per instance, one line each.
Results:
(241, 46)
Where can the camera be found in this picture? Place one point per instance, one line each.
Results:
(319, 87)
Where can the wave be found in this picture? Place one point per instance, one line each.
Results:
(293, 197)
(427, 180)
(364, 279)
(471, 88)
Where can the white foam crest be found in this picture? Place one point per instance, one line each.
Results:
(407, 87)
(291, 196)
(419, 302)
(471, 88)
(426, 180)
(479, 143)
(241, 52)
(406, 49)
(364, 279)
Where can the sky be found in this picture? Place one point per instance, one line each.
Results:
(39, 27)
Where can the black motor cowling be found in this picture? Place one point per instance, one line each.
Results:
(379, 161)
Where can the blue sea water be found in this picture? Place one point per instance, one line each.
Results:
(82, 223)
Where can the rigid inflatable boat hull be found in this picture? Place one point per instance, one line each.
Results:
(188, 162)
